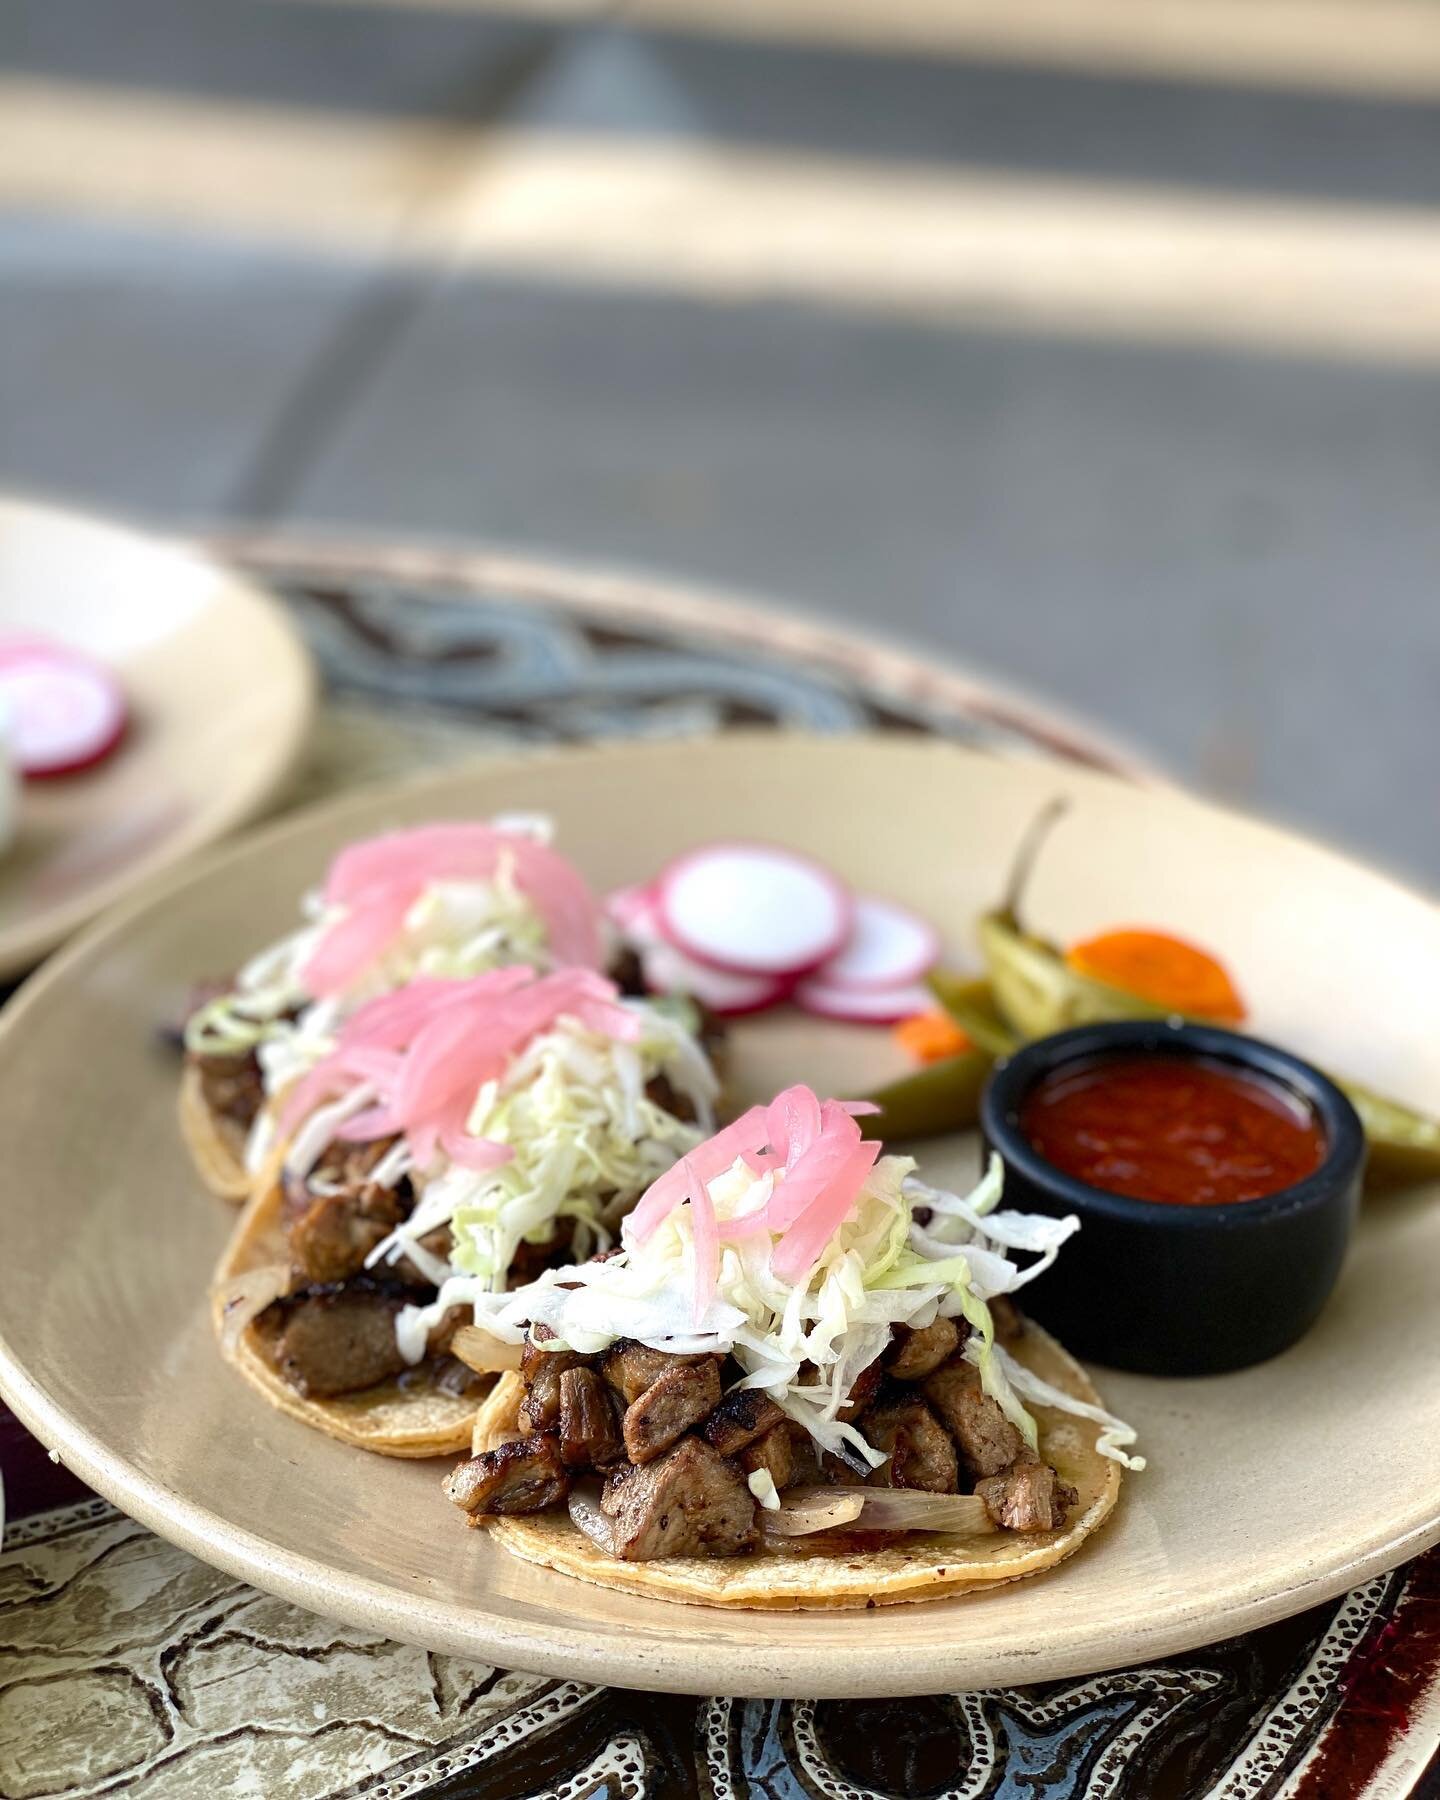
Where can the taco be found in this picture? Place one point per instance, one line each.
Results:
(802, 1381)
(459, 1136)
(447, 900)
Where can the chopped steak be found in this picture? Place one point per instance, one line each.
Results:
(986, 1439)
(1007, 1319)
(742, 1416)
(232, 1086)
(918, 1445)
(627, 972)
(667, 1097)
(333, 1340)
(773, 1452)
(524, 1476)
(862, 1391)
(531, 1260)
(917, 1353)
(334, 1233)
(672, 1403)
(589, 1429)
(631, 1368)
(541, 1370)
(1029, 1496)
(690, 1502)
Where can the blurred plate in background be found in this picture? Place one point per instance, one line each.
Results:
(220, 692)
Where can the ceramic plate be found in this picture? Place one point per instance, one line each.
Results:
(1266, 1491)
(220, 692)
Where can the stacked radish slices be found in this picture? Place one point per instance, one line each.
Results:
(743, 927)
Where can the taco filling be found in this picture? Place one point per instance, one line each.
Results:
(481, 1130)
(443, 901)
(796, 1337)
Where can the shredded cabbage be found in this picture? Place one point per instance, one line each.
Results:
(805, 1346)
(587, 1140)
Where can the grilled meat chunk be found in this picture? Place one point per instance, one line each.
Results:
(335, 1340)
(1029, 1496)
(918, 1445)
(917, 1353)
(630, 1368)
(774, 1453)
(540, 1370)
(673, 1402)
(530, 1261)
(986, 1439)
(690, 1502)
(589, 1426)
(523, 1476)
(233, 1086)
(742, 1416)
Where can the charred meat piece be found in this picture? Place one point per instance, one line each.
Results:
(1029, 1496)
(540, 1370)
(690, 1502)
(1008, 1320)
(334, 1340)
(523, 1476)
(531, 1260)
(630, 1368)
(917, 1353)
(233, 1086)
(742, 1416)
(774, 1453)
(627, 972)
(590, 1435)
(331, 1234)
(862, 1391)
(986, 1439)
(918, 1445)
(667, 1409)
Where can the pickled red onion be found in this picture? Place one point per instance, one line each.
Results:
(428, 1049)
(376, 882)
(820, 1162)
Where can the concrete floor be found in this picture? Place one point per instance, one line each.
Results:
(1226, 554)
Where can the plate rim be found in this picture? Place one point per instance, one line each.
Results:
(258, 779)
(588, 1651)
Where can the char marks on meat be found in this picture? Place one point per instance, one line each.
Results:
(917, 1352)
(590, 1436)
(986, 1439)
(232, 1086)
(335, 1340)
(540, 1370)
(523, 1476)
(690, 1502)
(676, 1400)
(920, 1449)
(742, 1416)
(630, 1368)
(1029, 1496)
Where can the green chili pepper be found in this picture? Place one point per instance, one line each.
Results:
(943, 1096)
(970, 1003)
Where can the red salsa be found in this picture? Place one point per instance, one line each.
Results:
(1184, 1129)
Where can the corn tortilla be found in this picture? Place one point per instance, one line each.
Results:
(793, 1577)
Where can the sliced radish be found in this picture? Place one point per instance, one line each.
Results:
(669, 971)
(63, 711)
(753, 909)
(862, 1006)
(888, 946)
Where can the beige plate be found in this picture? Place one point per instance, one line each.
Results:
(220, 692)
(1267, 1490)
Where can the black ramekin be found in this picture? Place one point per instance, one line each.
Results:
(1180, 1290)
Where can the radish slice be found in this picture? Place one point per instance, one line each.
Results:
(753, 909)
(888, 946)
(862, 1006)
(64, 711)
(669, 971)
